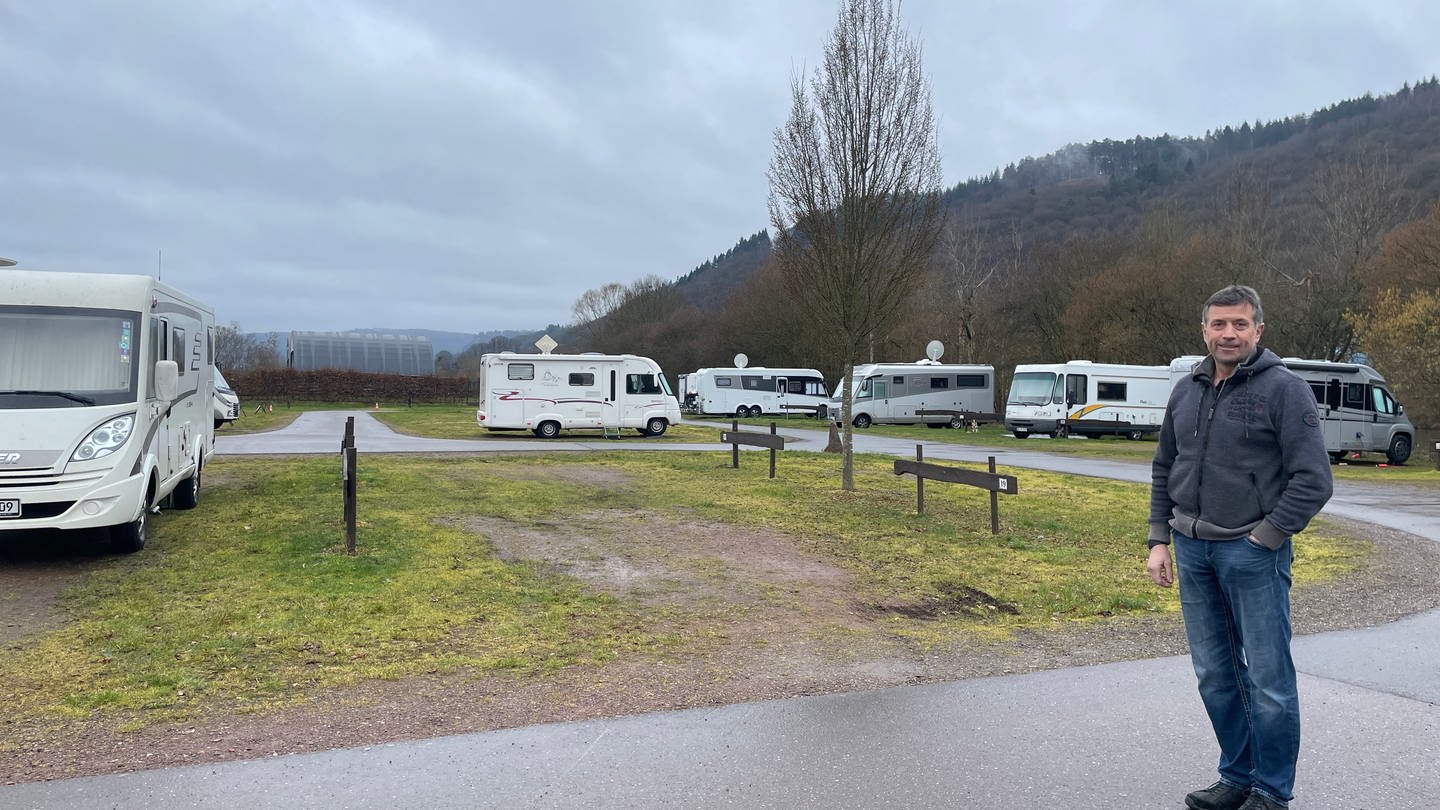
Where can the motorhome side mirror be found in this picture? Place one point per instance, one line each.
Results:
(167, 380)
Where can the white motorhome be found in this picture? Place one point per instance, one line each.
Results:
(227, 402)
(1356, 407)
(753, 391)
(106, 384)
(1081, 398)
(548, 393)
(895, 393)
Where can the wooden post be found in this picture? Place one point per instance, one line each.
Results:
(350, 476)
(734, 448)
(920, 481)
(994, 503)
(772, 452)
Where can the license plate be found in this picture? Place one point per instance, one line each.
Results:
(9, 507)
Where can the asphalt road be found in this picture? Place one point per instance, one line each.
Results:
(1126, 735)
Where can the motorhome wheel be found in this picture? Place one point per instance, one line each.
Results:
(656, 427)
(1135, 435)
(756, 412)
(956, 423)
(1399, 451)
(547, 430)
(741, 412)
(187, 494)
(861, 420)
(128, 538)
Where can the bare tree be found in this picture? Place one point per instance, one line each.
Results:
(237, 350)
(855, 185)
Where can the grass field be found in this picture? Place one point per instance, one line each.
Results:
(251, 601)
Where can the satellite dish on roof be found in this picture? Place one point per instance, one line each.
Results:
(741, 360)
(546, 344)
(934, 349)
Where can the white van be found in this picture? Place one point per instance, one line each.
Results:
(1356, 407)
(548, 393)
(1081, 398)
(106, 384)
(895, 393)
(754, 390)
(227, 402)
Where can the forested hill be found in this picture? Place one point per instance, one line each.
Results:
(1084, 190)
(1105, 185)
(709, 285)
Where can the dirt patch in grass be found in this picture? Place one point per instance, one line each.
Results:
(761, 617)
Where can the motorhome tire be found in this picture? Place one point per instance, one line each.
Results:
(128, 538)
(741, 412)
(187, 494)
(547, 430)
(861, 421)
(756, 412)
(1135, 435)
(1399, 451)
(956, 423)
(656, 427)
(823, 412)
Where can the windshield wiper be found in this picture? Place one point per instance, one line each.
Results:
(66, 394)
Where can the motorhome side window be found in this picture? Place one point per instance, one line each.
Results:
(177, 348)
(1355, 395)
(724, 382)
(865, 388)
(969, 380)
(1075, 389)
(939, 382)
(641, 384)
(758, 383)
(582, 379)
(520, 371)
(1110, 391)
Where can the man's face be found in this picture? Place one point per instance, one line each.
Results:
(1231, 333)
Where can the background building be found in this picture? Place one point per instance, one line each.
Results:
(361, 351)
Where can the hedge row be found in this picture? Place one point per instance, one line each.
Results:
(336, 385)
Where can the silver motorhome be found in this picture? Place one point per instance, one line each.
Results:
(895, 393)
(753, 391)
(1359, 413)
(106, 387)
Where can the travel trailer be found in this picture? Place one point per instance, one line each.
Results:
(1356, 407)
(548, 393)
(227, 402)
(106, 387)
(893, 393)
(754, 391)
(1081, 398)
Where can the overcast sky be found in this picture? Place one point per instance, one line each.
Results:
(470, 165)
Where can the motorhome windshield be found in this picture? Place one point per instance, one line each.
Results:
(53, 357)
(1032, 388)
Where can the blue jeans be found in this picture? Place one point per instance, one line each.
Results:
(1235, 597)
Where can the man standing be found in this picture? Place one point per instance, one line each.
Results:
(1241, 467)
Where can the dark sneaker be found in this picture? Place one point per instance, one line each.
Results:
(1259, 801)
(1220, 796)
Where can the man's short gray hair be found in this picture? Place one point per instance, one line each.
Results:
(1229, 297)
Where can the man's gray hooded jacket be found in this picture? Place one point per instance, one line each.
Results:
(1246, 457)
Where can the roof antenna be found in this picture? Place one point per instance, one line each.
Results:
(159, 264)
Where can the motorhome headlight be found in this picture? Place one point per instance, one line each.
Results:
(105, 439)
